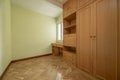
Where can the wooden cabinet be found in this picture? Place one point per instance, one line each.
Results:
(105, 61)
(70, 40)
(118, 56)
(84, 39)
(69, 57)
(57, 49)
(97, 39)
(69, 7)
(70, 31)
(83, 3)
(95, 24)
(72, 6)
(66, 9)
(70, 24)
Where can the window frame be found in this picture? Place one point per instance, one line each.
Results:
(61, 36)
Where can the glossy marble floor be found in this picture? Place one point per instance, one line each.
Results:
(44, 68)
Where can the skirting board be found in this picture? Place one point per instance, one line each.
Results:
(22, 60)
(31, 57)
(5, 70)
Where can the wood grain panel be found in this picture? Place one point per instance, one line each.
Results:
(83, 3)
(70, 40)
(84, 41)
(69, 7)
(106, 54)
(70, 57)
(66, 9)
(55, 51)
(67, 56)
(74, 60)
(119, 43)
(73, 6)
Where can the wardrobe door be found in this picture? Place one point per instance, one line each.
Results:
(118, 75)
(106, 47)
(83, 3)
(73, 6)
(66, 9)
(83, 39)
(69, 8)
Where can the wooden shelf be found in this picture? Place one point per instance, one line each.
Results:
(70, 49)
(70, 17)
(71, 30)
(69, 52)
(70, 26)
(69, 42)
(72, 34)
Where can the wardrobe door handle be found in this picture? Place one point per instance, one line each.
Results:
(94, 36)
(91, 36)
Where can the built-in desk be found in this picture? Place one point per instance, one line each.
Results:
(57, 49)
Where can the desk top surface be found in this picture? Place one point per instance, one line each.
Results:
(57, 45)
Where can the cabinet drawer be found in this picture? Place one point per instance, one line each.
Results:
(70, 57)
(70, 40)
(67, 56)
(83, 3)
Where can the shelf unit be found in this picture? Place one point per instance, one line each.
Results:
(69, 42)
(70, 24)
(69, 54)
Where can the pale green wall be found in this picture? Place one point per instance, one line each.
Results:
(5, 34)
(32, 33)
(0, 38)
(59, 18)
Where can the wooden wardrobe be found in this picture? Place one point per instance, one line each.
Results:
(118, 43)
(97, 31)
(97, 36)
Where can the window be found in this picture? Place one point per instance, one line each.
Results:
(60, 32)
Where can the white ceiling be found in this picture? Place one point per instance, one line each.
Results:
(51, 8)
(58, 2)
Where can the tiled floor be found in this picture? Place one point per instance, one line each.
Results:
(44, 68)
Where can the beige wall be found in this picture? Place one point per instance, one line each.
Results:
(5, 34)
(32, 33)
